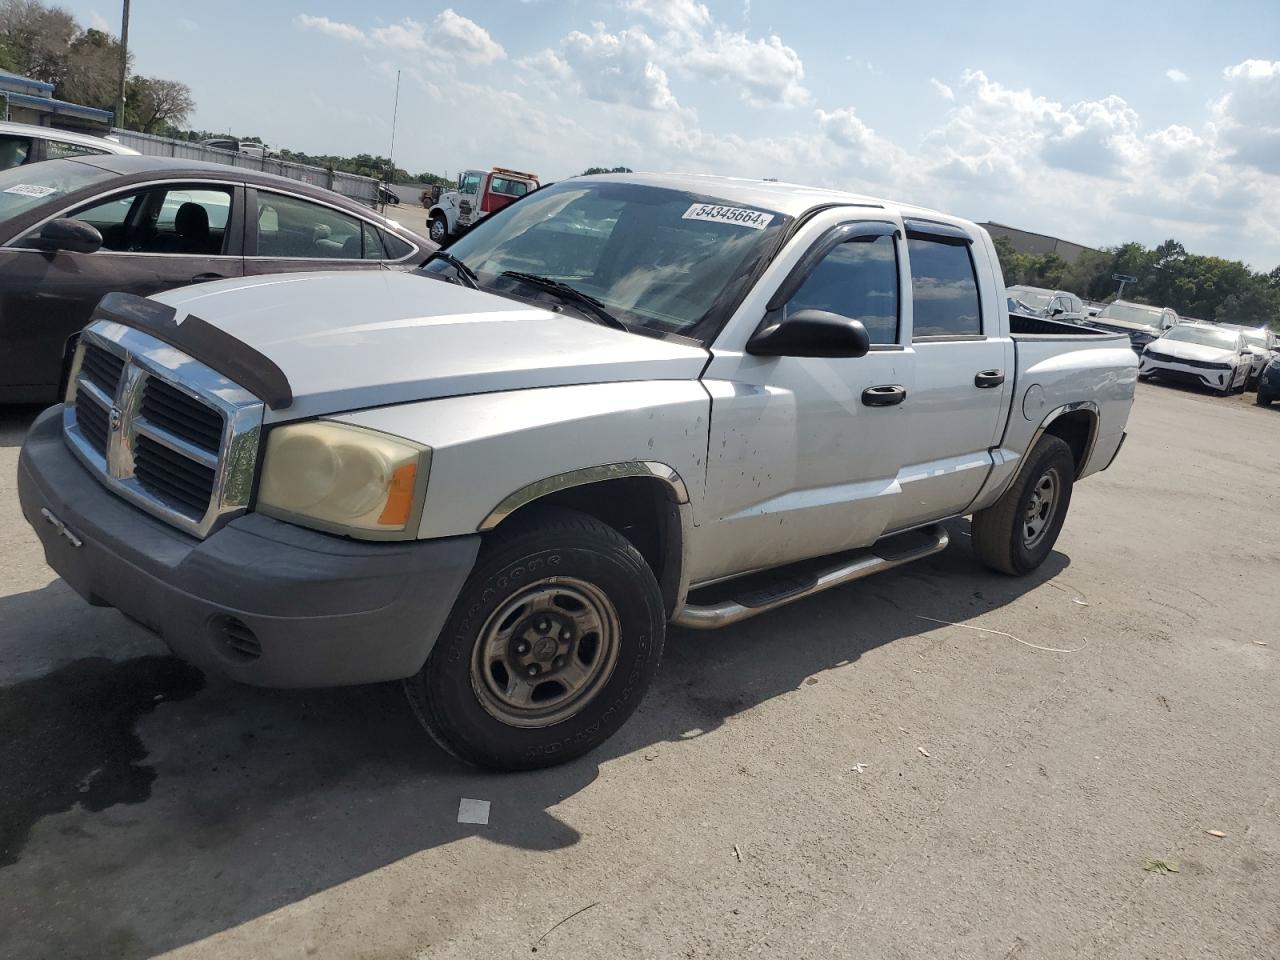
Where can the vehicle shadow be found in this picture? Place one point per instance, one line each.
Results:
(15, 420)
(164, 806)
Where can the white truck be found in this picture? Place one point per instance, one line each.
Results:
(499, 479)
(479, 193)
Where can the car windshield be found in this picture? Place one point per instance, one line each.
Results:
(663, 260)
(1032, 297)
(1205, 336)
(1255, 338)
(1132, 313)
(24, 188)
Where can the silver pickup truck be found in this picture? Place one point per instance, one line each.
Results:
(498, 479)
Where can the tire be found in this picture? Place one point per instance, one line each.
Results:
(1000, 532)
(438, 230)
(500, 689)
(1263, 399)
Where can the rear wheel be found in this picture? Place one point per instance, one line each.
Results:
(1017, 532)
(549, 649)
(1264, 399)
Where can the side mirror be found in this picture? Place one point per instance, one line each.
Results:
(71, 235)
(1056, 312)
(811, 333)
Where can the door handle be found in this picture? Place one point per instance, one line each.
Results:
(988, 379)
(885, 395)
(205, 277)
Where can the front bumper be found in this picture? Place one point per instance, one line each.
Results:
(1184, 373)
(261, 601)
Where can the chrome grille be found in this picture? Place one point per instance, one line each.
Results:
(161, 429)
(181, 414)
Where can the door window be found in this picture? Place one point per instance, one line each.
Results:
(373, 248)
(944, 289)
(858, 279)
(13, 151)
(295, 229)
(161, 220)
(470, 183)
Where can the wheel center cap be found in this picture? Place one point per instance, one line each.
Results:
(544, 648)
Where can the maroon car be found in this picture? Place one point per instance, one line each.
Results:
(73, 230)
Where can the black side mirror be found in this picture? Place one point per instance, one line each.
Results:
(1057, 312)
(71, 235)
(810, 333)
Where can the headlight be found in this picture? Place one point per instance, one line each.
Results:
(344, 479)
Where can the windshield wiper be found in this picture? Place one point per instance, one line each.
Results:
(465, 273)
(572, 294)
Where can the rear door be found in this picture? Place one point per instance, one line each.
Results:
(963, 370)
(155, 238)
(288, 234)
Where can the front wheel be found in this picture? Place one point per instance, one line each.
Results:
(549, 649)
(438, 230)
(1017, 532)
(1264, 399)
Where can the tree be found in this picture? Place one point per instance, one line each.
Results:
(36, 39)
(93, 70)
(152, 105)
(592, 171)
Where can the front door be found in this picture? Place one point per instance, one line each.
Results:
(154, 239)
(804, 452)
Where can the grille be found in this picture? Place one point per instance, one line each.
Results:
(102, 368)
(183, 484)
(241, 641)
(93, 420)
(1200, 364)
(182, 415)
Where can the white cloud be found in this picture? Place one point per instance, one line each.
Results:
(450, 34)
(1247, 118)
(467, 38)
(619, 68)
(766, 71)
(683, 16)
(332, 28)
(98, 22)
(944, 91)
(547, 64)
(406, 35)
(1176, 75)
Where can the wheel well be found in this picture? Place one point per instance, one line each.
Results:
(1076, 430)
(639, 508)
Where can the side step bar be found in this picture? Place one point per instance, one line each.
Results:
(883, 555)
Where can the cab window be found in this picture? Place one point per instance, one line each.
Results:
(858, 279)
(944, 290)
(507, 187)
(14, 151)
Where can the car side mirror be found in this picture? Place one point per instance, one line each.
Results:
(1056, 312)
(73, 236)
(810, 333)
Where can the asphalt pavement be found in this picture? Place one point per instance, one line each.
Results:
(840, 778)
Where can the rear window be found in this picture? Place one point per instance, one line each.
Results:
(25, 188)
(60, 150)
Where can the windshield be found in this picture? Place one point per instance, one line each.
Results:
(24, 188)
(1031, 296)
(1205, 336)
(663, 260)
(1255, 338)
(1132, 313)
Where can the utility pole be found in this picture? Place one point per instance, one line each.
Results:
(395, 114)
(124, 64)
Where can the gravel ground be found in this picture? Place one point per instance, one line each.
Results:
(837, 779)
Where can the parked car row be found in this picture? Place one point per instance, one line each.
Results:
(72, 230)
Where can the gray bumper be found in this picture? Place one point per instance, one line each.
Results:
(261, 601)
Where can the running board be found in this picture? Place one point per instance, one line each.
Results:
(883, 555)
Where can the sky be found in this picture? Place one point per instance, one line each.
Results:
(1097, 122)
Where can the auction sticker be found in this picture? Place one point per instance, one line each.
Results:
(737, 216)
(31, 190)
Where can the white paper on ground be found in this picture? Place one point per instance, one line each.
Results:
(473, 811)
